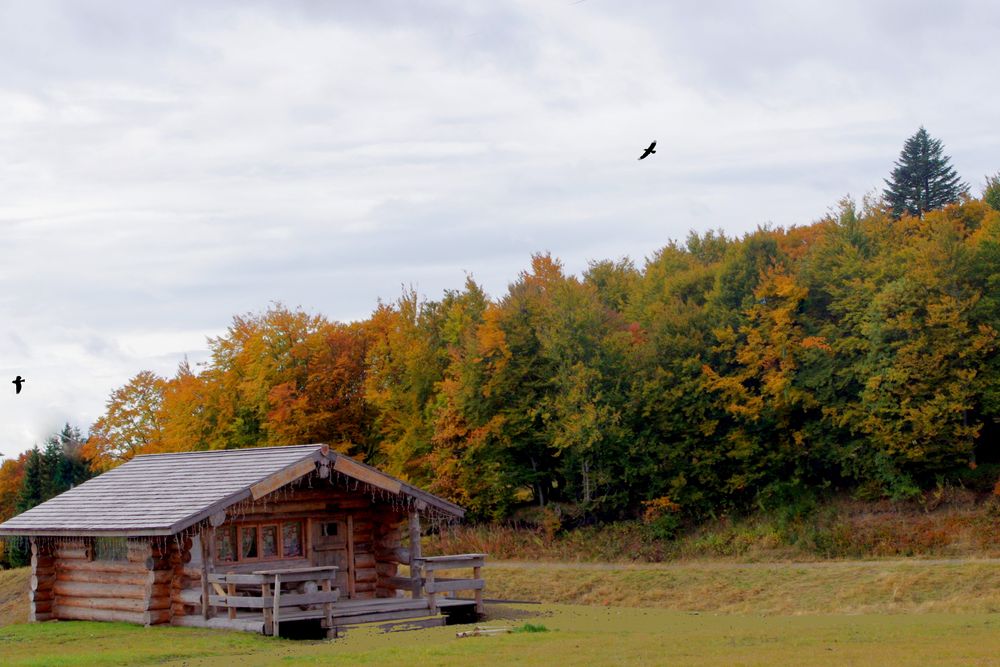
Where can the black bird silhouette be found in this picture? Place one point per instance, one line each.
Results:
(651, 149)
(17, 383)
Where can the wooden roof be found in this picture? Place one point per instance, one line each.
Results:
(162, 494)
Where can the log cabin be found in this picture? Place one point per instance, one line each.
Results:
(244, 539)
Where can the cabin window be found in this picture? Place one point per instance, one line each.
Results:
(291, 539)
(111, 548)
(248, 543)
(329, 529)
(225, 543)
(269, 541)
(255, 541)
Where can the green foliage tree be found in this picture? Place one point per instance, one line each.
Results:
(923, 179)
(991, 193)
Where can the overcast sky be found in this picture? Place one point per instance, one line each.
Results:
(167, 165)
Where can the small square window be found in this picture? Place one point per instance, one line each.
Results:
(248, 542)
(269, 541)
(329, 529)
(291, 539)
(225, 543)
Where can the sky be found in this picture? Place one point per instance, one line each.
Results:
(165, 166)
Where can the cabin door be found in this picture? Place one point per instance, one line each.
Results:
(330, 546)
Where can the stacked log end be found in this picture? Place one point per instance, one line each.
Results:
(388, 555)
(183, 579)
(43, 575)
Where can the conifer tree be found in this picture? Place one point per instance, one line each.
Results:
(923, 179)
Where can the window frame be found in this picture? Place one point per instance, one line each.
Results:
(279, 544)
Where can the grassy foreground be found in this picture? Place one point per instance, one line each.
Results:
(832, 613)
(576, 636)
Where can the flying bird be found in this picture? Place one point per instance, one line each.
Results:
(17, 382)
(650, 150)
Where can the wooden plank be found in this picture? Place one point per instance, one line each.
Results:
(417, 624)
(296, 570)
(239, 579)
(245, 625)
(367, 475)
(454, 557)
(230, 594)
(437, 586)
(373, 606)
(378, 616)
(437, 566)
(259, 602)
(279, 479)
(300, 576)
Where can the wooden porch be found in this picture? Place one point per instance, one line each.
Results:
(262, 600)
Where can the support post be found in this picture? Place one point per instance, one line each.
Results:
(416, 575)
(328, 607)
(265, 591)
(231, 592)
(207, 535)
(431, 593)
(277, 603)
(351, 583)
(477, 574)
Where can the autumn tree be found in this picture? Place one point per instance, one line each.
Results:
(923, 178)
(130, 425)
(405, 361)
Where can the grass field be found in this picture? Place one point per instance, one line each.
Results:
(834, 613)
(576, 635)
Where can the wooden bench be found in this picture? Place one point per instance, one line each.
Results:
(272, 599)
(429, 566)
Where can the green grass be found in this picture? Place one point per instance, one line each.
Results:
(709, 613)
(577, 636)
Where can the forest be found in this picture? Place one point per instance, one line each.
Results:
(857, 354)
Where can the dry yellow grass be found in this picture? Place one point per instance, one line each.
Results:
(849, 587)
(14, 595)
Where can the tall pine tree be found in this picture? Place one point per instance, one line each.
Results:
(923, 179)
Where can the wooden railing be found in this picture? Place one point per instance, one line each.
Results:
(433, 584)
(272, 599)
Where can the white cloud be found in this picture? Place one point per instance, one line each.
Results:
(168, 165)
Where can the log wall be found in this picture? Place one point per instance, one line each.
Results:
(68, 584)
